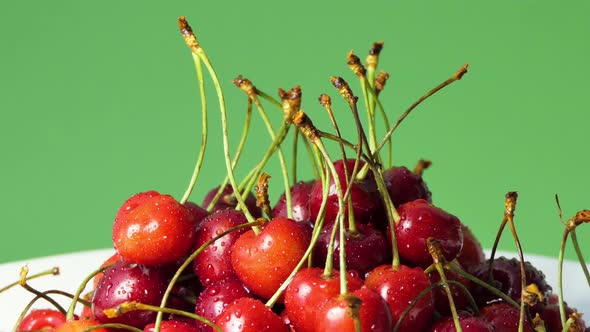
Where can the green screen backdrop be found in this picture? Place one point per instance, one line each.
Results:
(99, 101)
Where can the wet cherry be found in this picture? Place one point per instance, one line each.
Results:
(42, 319)
(249, 315)
(216, 297)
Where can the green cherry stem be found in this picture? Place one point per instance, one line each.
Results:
(204, 134)
(81, 287)
(375, 96)
(53, 271)
(580, 255)
(457, 76)
(295, 150)
(23, 283)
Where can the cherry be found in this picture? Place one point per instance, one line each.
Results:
(504, 317)
(372, 310)
(299, 199)
(366, 248)
(198, 212)
(128, 282)
(506, 278)
(460, 299)
(42, 319)
(552, 319)
(156, 231)
(405, 186)
(216, 297)
(308, 290)
(468, 323)
(472, 252)
(264, 261)
(249, 315)
(366, 201)
(421, 220)
(214, 263)
(79, 326)
(111, 260)
(228, 201)
(399, 286)
(173, 326)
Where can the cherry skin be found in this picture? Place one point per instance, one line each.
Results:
(198, 212)
(249, 315)
(399, 287)
(79, 326)
(129, 282)
(374, 315)
(216, 297)
(214, 263)
(366, 249)
(504, 317)
(421, 220)
(111, 260)
(472, 252)
(552, 317)
(264, 261)
(172, 326)
(468, 322)
(308, 290)
(228, 202)
(405, 186)
(157, 231)
(441, 301)
(366, 200)
(42, 319)
(299, 199)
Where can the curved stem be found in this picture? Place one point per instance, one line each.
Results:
(53, 271)
(561, 303)
(80, 289)
(580, 255)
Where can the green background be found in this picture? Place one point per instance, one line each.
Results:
(99, 101)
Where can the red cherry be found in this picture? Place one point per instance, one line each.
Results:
(366, 200)
(468, 323)
(504, 317)
(216, 297)
(421, 220)
(157, 231)
(134, 201)
(264, 261)
(366, 249)
(173, 326)
(472, 253)
(299, 199)
(42, 319)
(405, 186)
(214, 263)
(308, 290)
(374, 315)
(229, 202)
(128, 282)
(249, 315)
(79, 326)
(111, 260)
(399, 287)
(198, 212)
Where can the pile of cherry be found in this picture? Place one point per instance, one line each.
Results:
(240, 265)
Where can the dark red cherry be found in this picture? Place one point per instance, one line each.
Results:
(300, 200)
(419, 221)
(472, 252)
(198, 212)
(399, 287)
(249, 315)
(129, 282)
(468, 322)
(173, 326)
(366, 200)
(157, 230)
(308, 290)
(504, 317)
(405, 186)
(42, 319)
(366, 249)
(228, 201)
(506, 277)
(263, 262)
(214, 263)
(552, 318)
(216, 297)
(335, 314)
(441, 300)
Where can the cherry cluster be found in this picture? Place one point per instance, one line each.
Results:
(361, 247)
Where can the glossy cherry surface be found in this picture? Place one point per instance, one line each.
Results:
(299, 199)
(249, 315)
(228, 201)
(468, 322)
(405, 186)
(42, 319)
(216, 297)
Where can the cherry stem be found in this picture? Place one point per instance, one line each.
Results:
(560, 258)
(239, 150)
(204, 134)
(312, 157)
(53, 271)
(580, 255)
(255, 223)
(191, 41)
(132, 306)
(456, 76)
(319, 223)
(23, 282)
(420, 295)
(294, 161)
(386, 122)
(81, 288)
